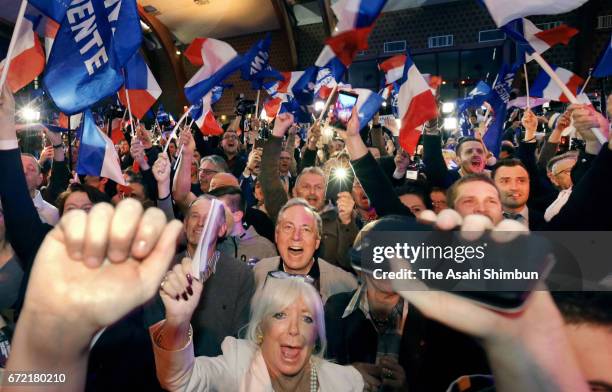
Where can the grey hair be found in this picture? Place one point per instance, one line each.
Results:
(217, 161)
(277, 294)
(298, 201)
(310, 170)
(573, 155)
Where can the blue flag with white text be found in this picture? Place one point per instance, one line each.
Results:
(95, 39)
(498, 99)
(256, 67)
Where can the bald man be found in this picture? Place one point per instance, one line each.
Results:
(223, 179)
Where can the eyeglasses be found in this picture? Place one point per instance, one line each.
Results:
(285, 275)
(230, 137)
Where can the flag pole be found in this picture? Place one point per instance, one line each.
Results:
(11, 48)
(178, 123)
(180, 151)
(257, 104)
(570, 96)
(584, 86)
(527, 86)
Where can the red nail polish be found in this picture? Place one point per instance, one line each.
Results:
(185, 297)
(189, 279)
(190, 290)
(177, 297)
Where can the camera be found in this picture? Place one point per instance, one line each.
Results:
(244, 106)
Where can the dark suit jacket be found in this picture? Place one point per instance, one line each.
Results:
(431, 354)
(223, 309)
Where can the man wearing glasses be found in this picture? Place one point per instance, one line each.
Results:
(297, 237)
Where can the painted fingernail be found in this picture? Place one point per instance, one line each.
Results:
(189, 290)
(189, 279)
(185, 297)
(177, 297)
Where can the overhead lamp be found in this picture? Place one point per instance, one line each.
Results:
(448, 107)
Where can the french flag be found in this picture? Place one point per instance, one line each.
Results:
(51, 28)
(504, 11)
(531, 39)
(204, 117)
(368, 104)
(272, 106)
(416, 105)
(217, 60)
(604, 65)
(141, 85)
(545, 87)
(325, 83)
(28, 58)
(284, 86)
(356, 14)
(116, 133)
(393, 68)
(97, 154)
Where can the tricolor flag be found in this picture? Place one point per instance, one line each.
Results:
(416, 104)
(51, 28)
(393, 68)
(204, 117)
(531, 39)
(368, 104)
(545, 87)
(355, 23)
(303, 89)
(217, 59)
(116, 131)
(141, 85)
(604, 65)
(285, 85)
(97, 154)
(504, 11)
(356, 14)
(272, 106)
(54, 9)
(28, 58)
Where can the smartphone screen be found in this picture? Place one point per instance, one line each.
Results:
(342, 109)
(340, 180)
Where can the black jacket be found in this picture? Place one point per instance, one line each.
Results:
(431, 354)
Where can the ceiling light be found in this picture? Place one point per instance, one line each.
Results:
(448, 107)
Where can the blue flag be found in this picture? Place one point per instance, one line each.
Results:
(256, 67)
(475, 98)
(54, 9)
(498, 99)
(95, 39)
(604, 65)
(303, 89)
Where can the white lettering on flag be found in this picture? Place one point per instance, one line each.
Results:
(82, 20)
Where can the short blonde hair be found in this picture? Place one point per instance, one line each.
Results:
(277, 294)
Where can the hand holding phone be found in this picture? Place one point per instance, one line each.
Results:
(343, 109)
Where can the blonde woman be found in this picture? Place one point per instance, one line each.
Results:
(282, 350)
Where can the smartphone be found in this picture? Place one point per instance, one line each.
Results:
(386, 110)
(343, 108)
(340, 180)
(259, 143)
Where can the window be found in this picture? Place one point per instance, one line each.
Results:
(604, 22)
(441, 41)
(394, 46)
(549, 25)
(491, 35)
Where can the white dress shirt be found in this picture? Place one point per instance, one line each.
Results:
(47, 212)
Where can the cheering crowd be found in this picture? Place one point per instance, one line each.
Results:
(112, 302)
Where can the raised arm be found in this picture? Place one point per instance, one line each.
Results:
(373, 180)
(271, 185)
(181, 189)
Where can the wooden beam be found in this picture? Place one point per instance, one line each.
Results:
(329, 20)
(283, 19)
(165, 37)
